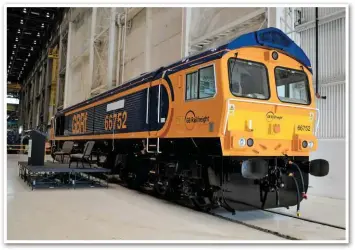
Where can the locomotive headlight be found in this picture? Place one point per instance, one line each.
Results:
(310, 144)
(304, 144)
(242, 142)
(275, 55)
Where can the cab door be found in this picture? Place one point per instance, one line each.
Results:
(158, 107)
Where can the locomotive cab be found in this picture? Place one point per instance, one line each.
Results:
(270, 107)
(270, 128)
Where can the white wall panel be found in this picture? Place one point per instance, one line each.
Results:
(332, 119)
(166, 39)
(134, 67)
(212, 27)
(135, 39)
(308, 14)
(331, 68)
(166, 24)
(167, 52)
(207, 20)
(332, 185)
(78, 57)
(134, 47)
(331, 57)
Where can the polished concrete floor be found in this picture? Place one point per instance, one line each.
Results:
(118, 213)
(107, 214)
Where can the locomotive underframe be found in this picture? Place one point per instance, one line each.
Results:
(190, 169)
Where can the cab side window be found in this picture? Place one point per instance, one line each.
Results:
(200, 84)
(192, 86)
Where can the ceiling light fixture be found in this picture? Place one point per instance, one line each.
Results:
(34, 42)
(29, 54)
(13, 52)
(14, 45)
(26, 59)
(47, 14)
(32, 48)
(18, 31)
(21, 22)
(16, 39)
(42, 25)
(38, 34)
(24, 10)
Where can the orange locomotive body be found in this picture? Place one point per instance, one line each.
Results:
(227, 126)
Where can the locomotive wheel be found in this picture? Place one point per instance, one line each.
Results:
(162, 189)
(166, 190)
(201, 204)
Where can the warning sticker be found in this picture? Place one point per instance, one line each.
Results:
(231, 108)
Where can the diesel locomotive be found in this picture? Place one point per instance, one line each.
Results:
(232, 125)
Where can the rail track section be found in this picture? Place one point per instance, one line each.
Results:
(284, 225)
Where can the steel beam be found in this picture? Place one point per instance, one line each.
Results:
(229, 26)
(148, 39)
(67, 70)
(91, 52)
(185, 38)
(111, 50)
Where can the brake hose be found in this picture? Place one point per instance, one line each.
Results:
(304, 195)
(298, 194)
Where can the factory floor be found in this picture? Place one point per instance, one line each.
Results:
(118, 213)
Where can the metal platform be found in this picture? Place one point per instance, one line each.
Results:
(57, 175)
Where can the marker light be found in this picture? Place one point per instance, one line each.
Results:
(242, 142)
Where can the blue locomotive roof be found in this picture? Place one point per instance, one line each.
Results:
(269, 37)
(273, 38)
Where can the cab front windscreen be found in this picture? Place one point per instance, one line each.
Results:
(292, 86)
(248, 79)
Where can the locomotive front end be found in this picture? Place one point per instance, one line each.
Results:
(269, 129)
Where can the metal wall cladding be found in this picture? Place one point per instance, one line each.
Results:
(309, 13)
(331, 46)
(331, 66)
(332, 123)
(134, 106)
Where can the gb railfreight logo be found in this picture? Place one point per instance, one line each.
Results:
(271, 116)
(191, 119)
